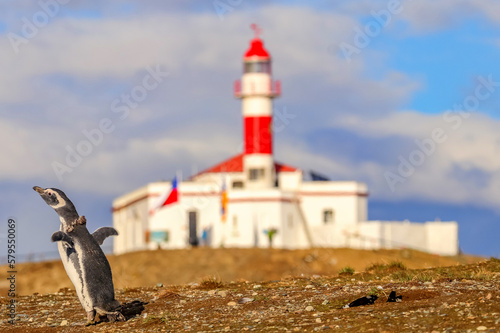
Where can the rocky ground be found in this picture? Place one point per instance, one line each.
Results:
(460, 298)
(177, 267)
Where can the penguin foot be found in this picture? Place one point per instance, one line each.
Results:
(90, 317)
(111, 315)
(89, 323)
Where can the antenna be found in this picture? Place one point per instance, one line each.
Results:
(257, 30)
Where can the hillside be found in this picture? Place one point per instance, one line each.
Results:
(173, 267)
(457, 298)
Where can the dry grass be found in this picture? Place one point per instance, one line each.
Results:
(348, 270)
(177, 267)
(210, 282)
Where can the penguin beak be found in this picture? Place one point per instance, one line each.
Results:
(39, 189)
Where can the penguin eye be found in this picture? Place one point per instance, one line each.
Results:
(50, 193)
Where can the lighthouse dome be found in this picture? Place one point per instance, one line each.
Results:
(256, 51)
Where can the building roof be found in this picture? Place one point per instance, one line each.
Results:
(235, 164)
(284, 168)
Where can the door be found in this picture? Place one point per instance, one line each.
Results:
(193, 233)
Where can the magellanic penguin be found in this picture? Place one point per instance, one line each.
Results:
(83, 259)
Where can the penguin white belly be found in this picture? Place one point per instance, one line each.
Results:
(75, 273)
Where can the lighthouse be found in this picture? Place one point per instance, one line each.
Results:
(251, 200)
(257, 90)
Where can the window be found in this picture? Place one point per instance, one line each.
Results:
(235, 232)
(255, 174)
(258, 67)
(157, 236)
(328, 216)
(238, 184)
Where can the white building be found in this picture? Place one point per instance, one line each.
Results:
(263, 196)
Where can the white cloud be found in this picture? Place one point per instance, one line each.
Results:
(113, 171)
(26, 149)
(68, 75)
(463, 168)
(426, 16)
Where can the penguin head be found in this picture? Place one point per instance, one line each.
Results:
(54, 197)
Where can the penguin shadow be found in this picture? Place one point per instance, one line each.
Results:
(132, 309)
(128, 310)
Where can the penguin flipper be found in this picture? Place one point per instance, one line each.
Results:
(60, 236)
(102, 233)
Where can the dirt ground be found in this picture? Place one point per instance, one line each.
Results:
(456, 298)
(174, 267)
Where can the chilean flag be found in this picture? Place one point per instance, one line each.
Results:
(167, 199)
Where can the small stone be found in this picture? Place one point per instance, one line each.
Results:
(231, 303)
(159, 285)
(49, 319)
(64, 322)
(309, 308)
(325, 302)
(380, 288)
(482, 328)
(245, 300)
(309, 286)
(212, 292)
(44, 311)
(318, 320)
(257, 286)
(222, 293)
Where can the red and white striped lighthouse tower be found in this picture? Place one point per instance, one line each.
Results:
(257, 89)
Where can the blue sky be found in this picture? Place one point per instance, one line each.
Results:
(353, 120)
